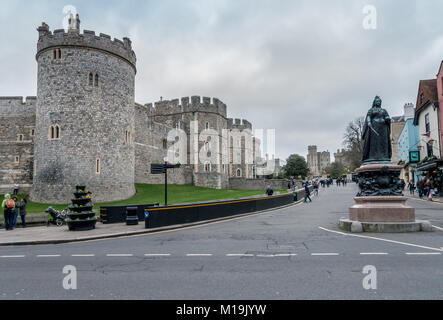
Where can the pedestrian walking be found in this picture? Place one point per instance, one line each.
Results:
(315, 188)
(16, 187)
(23, 203)
(8, 205)
(411, 188)
(307, 193)
(427, 187)
(269, 191)
(421, 187)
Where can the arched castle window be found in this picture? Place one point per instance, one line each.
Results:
(239, 173)
(54, 132)
(56, 54)
(128, 137)
(207, 126)
(93, 79)
(20, 138)
(17, 159)
(207, 167)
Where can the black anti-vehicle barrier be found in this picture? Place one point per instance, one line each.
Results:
(117, 214)
(189, 213)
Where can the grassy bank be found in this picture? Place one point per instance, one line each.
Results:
(147, 193)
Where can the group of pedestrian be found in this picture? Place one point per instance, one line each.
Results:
(12, 207)
(342, 182)
(326, 182)
(425, 188)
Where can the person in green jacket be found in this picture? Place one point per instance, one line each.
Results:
(8, 213)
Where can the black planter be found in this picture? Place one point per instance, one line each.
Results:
(81, 216)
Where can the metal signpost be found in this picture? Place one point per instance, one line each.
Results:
(163, 169)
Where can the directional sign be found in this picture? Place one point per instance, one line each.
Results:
(161, 168)
(158, 169)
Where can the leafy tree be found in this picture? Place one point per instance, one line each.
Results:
(335, 170)
(296, 166)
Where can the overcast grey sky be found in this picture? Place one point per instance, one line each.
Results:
(304, 68)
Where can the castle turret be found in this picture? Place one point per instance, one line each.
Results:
(85, 115)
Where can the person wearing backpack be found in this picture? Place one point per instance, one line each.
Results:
(8, 206)
(15, 212)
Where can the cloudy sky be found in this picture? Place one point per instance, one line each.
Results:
(304, 68)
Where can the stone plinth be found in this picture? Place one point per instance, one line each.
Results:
(380, 205)
(381, 209)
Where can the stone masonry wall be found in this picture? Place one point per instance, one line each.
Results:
(17, 122)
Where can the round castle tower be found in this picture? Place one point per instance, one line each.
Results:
(85, 115)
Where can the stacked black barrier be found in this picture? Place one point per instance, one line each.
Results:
(183, 214)
(117, 214)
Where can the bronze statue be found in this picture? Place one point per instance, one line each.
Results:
(377, 135)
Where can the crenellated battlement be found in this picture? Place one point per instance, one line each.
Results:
(240, 124)
(73, 38)
(18, 101)
(188, 104)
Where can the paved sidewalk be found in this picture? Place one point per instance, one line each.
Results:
(415, 196)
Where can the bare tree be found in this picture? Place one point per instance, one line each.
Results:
(353, 141)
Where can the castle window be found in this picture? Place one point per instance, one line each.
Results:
(17, 159)
(20, 138)
(239, 173)
(207, 167)
(97, 166)
(32, 132)
(96, 80)
(54, 132)
(57, 54)
(128, 137)
(207, 126)
(91, 79)
(165, 144)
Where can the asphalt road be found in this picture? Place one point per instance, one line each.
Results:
(292, 253)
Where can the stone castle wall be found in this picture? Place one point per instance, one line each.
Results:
(17, 118)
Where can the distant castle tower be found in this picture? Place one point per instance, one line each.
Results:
(85, 115)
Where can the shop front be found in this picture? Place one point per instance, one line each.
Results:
(432, 170)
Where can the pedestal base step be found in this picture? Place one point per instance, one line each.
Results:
(384, 227)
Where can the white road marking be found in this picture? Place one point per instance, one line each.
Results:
(422, 253)
(437, 227)
(265, 255)
(199, 255)
(239, 255)
(157, 255)
(325, 254)
(373, 253)
(120, 255)
(83, 255)
(286, 255)
(381, 239)
(18, 256)
(48, 255)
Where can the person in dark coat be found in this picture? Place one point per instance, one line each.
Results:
(22, 209)
(307, 193)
